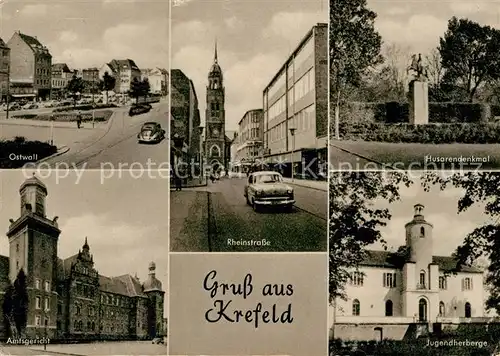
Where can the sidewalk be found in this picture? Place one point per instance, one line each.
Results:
(190, 183)
(189, 227)
(313, 184)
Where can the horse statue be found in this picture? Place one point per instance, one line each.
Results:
(418, 68)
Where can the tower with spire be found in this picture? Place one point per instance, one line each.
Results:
(215, 116)
(153, 289)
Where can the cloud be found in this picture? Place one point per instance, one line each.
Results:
(396, 11)
(199, 33)
(233, 23)
(68, 36)
(292, 26)
(421, 31)
(180, 2)
(34, 10)
(106, 237)
(462, 8)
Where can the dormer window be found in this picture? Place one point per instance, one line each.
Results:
(422, 232)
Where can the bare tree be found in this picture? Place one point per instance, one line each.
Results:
(435, 69)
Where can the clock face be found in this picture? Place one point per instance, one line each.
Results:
(215, 132)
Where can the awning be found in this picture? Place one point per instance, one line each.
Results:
(23, 95)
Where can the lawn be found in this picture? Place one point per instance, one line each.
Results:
(413, 155)
(99, 116)
(18, 152)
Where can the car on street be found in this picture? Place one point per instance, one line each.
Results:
(14, 107)
(151, 132)
(30, 106)
(267, 189)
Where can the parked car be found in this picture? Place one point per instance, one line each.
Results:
(151, 132)
(139, 109)
(266, 188)
(30, 106)
(14, 107)
(158, 340)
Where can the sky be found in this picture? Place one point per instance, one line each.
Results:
(90, 33)
(254, 40)
(419, 24)
(441, 208)
(124, 231)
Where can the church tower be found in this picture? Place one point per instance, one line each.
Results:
(33, 242)
(153, 289)
(215, 118)
(420, 273)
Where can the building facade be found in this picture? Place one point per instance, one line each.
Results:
(295, 107)
(61, 76)
(185, 124)
(250, 140)
(394, 292)
(30, 67)
(68, 298)
(158, 80)
(215, 119)
(124, 71)
(4, 70)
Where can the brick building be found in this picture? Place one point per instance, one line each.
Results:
(295, 107)
(68, 298)
(30, 67)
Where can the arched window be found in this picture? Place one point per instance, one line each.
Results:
(441, 309)
(468, 312)
(75, 325)
(93, 326)
(422, 280)
(422, 231)
(422, 310)
(356, 307)
(215, 151)
(89, 325)
(388, 308)
(80, 325)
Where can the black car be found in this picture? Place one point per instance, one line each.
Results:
(139, 109)
(151, 132)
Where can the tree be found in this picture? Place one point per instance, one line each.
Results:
(20, 302)
(480, 188)
(469, 55)
(435, 72)
(354, 222)
(7, 309)
(75, 86)
(108, 83)
(354, 48)
(139, 88)
(146, 87)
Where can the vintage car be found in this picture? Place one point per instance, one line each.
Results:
(151, 132)
(266, 188)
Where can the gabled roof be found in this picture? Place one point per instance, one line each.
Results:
(395, 260)
(33, 42)
(2, 43)
(120, 64)
(61, 67)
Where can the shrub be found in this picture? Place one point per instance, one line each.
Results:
(431, 133)
(86, 107)
(25, 116)
(23, 149)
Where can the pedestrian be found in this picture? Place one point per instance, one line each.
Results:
(78, 119)
(178, 181)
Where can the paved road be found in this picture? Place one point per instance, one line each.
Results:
(210, 219)
(91, 349)
(117, 147)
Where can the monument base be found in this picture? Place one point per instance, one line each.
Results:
(419, 103)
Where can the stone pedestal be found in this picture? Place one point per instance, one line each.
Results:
(419, 103)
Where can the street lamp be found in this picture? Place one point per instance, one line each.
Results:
(292, 133)
(52, 119)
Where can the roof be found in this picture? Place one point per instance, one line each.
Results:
(2, 43)
(119, 64)
(33, 43)
(63, 67)
(33, 181)
(261, 173)
(395, 260)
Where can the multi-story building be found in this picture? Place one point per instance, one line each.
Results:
(295, 107)
(4, 70)
(158, 80)
(124, 71)
(61, 76)
(393, 292)
(90, 77)
(185, 124)
(30, 67)
(250, 139)
(68, 298)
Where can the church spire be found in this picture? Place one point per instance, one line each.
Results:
(215, 54)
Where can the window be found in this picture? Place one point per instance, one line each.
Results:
(468, 311)
(17, 248)
(422, 232)
(78, 310)
(47, 286)
(421, 284)
(47, 321)
(389, 280)
(356, 307)
(38, 302)
(357, 278)
(38, 320)
(441, 309)
(443, 283)
(47, 304)
(467, 284)
(388, 308)
(37, 284)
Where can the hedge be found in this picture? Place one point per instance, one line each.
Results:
(451, 112)
(20, 146)
(100, 116)
(432, 133)
(86, 107)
